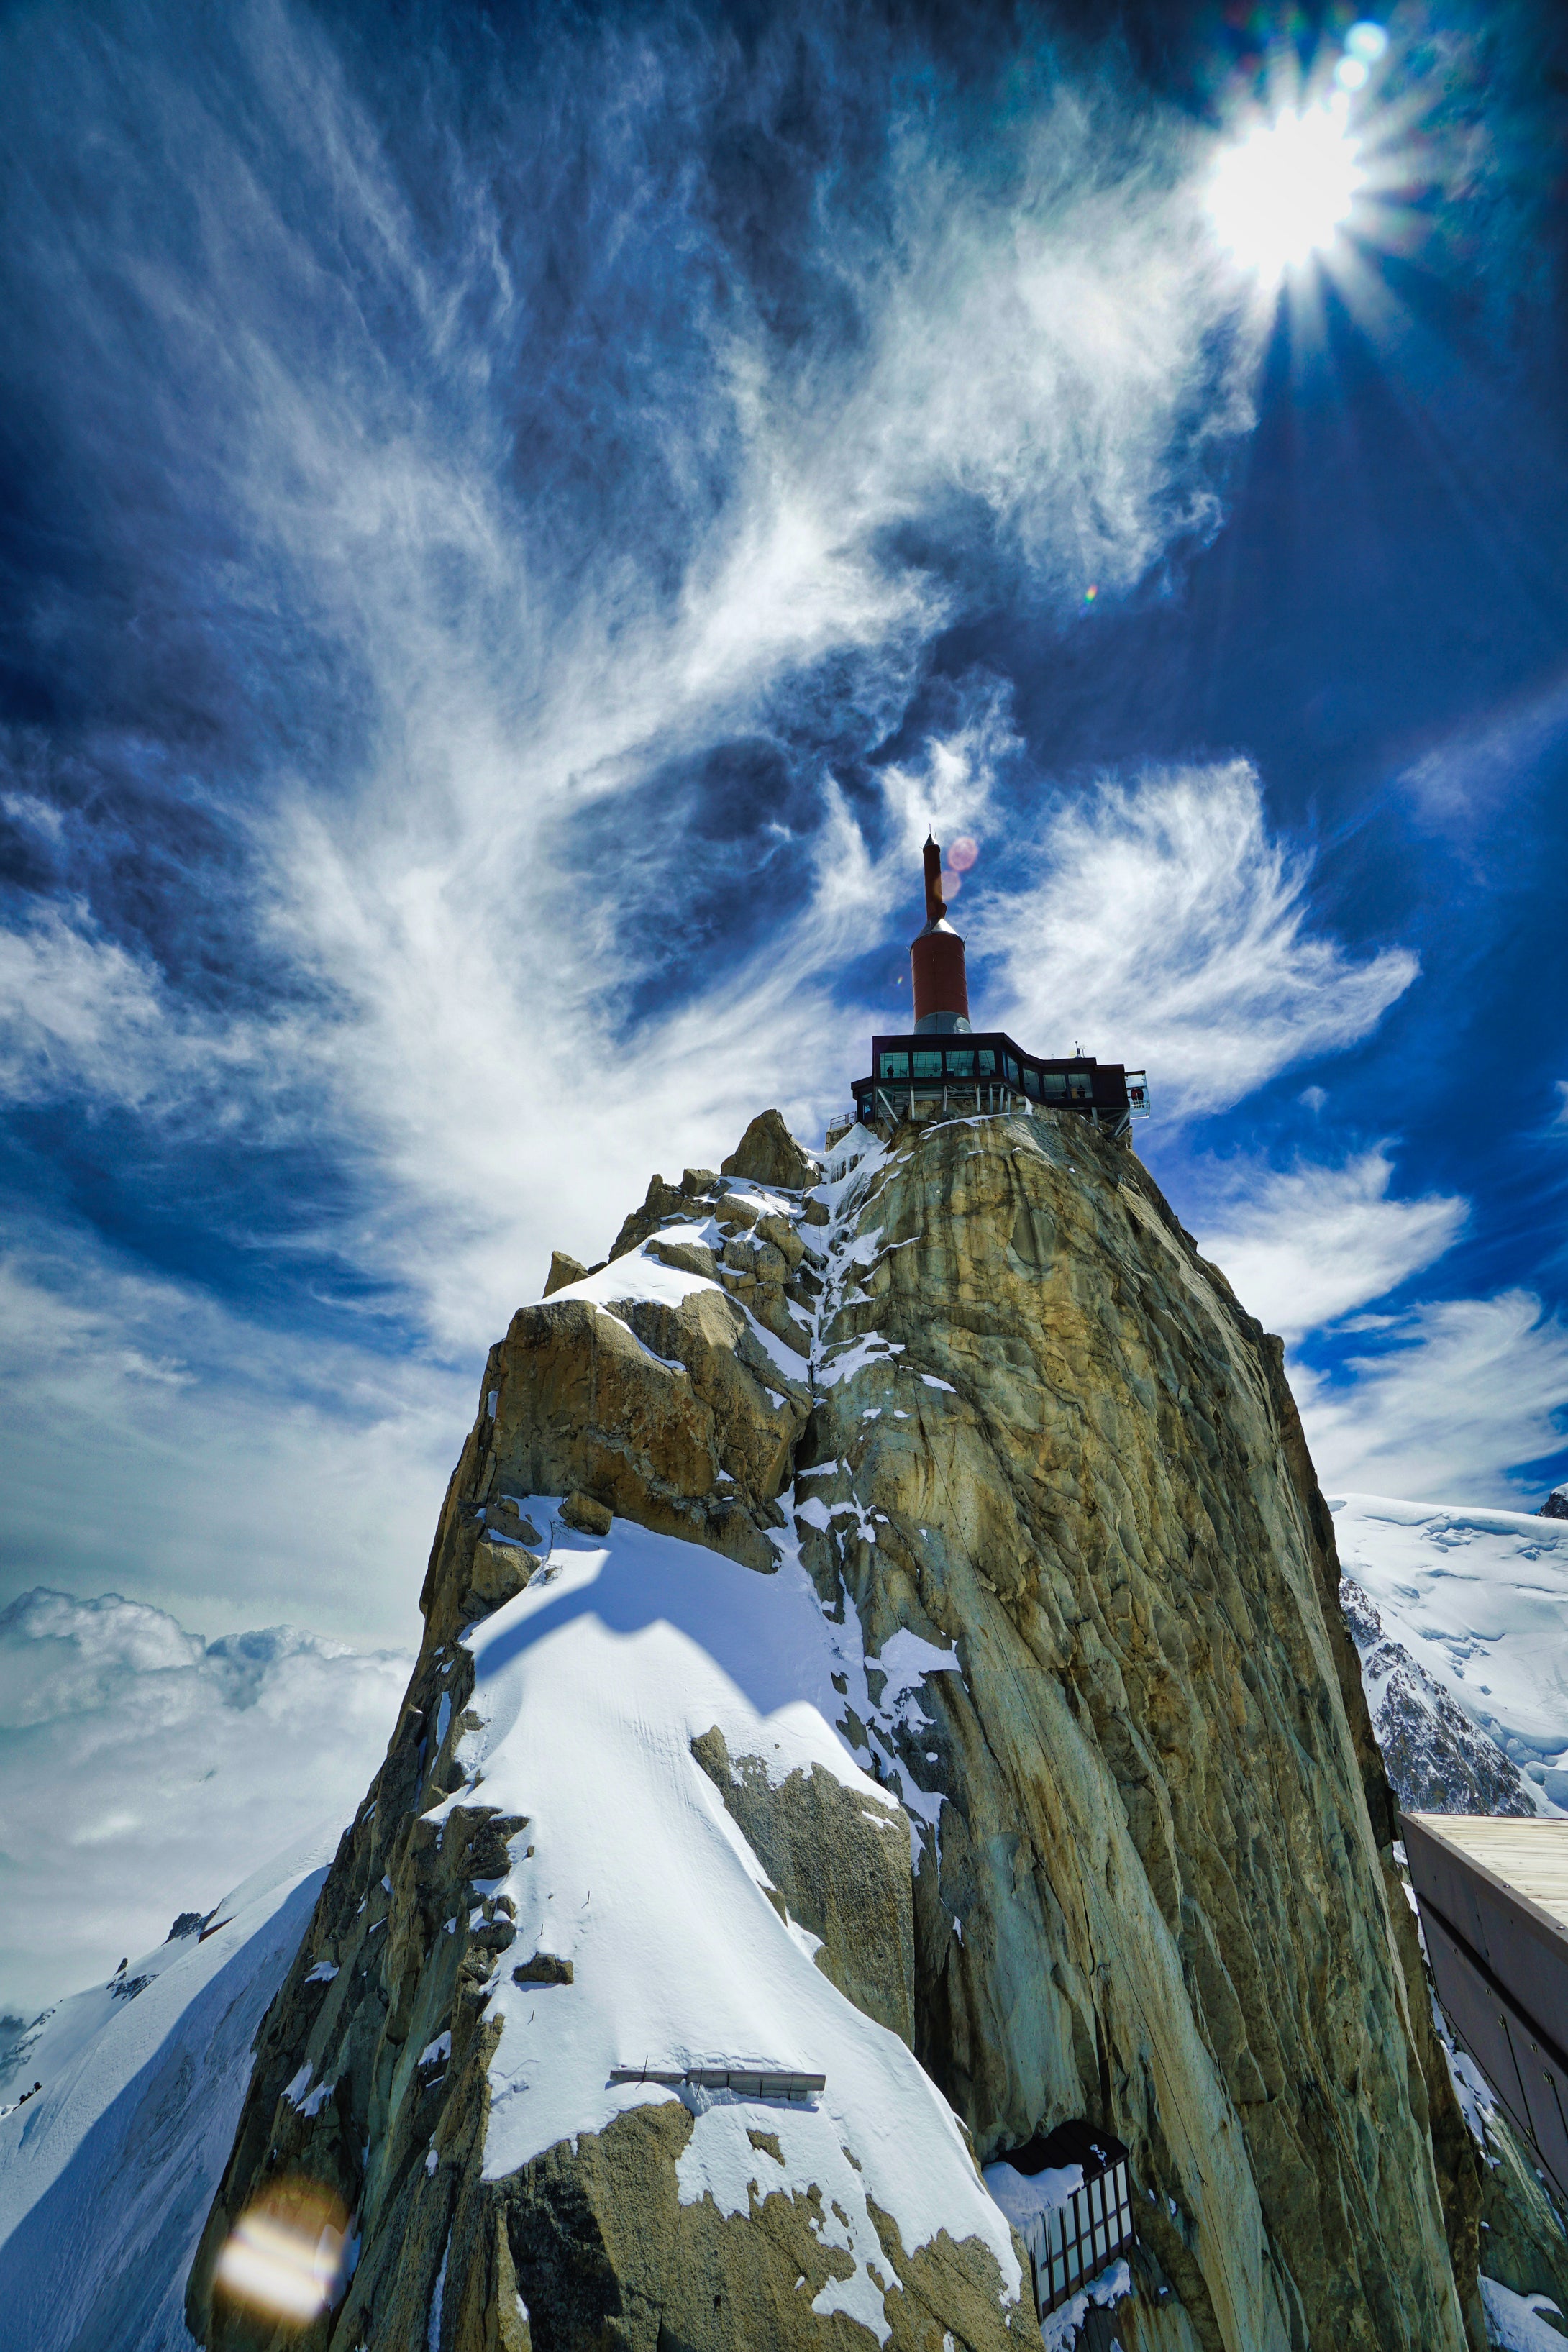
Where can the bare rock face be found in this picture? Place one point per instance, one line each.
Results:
(768, 1154)
(1038, 1482)
(1524, 2243)
(672, 1414)
(1057, 1442)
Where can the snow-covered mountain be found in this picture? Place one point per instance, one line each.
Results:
(108, 2167)
(145, 1767)
(1460, 1617)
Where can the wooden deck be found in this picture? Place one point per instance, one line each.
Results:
(1493, 1899)
(1530, 1857)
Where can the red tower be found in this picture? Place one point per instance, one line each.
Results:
(936, 961)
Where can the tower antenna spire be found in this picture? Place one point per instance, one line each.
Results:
(936, 905)
(936, 958)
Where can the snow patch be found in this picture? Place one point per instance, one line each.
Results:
(1026, 2197)
(850, 1357)
(720, 2161)
(636, 1279)
(589, 1690)
(1513, 2321)
(1059, 2329)
(99, 2214)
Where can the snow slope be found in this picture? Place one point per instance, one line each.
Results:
(107, 2173)
(145, 1769)
(1478, 1600)
(591, 1685)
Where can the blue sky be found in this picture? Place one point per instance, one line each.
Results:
(513, 528)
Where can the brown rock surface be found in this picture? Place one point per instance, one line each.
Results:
(1156, 1838)
(674, 1415)
(768, 1154)
(564, 1270)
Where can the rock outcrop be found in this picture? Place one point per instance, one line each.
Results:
(958, 1452)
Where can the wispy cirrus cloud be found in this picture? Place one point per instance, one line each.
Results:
(1170, 917)
(538, 524)
(159, 1440)
(507, 505)
(1452, 1402)
(1305, 1244)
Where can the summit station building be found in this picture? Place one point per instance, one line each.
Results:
(945, 1068)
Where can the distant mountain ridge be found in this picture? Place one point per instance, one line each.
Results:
(1460, 1618)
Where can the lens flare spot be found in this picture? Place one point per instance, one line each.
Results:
(1089, 593)
(963, 853)
(286, 2255)
(951, 884)
(1366, 41)
(1352, 73)
(1279, 195)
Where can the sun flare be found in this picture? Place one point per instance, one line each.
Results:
(1283, 191)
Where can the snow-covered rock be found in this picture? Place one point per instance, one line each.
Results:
(1437, 1759)
(958, 1673)
(1520, 2323)
(1467, 1664)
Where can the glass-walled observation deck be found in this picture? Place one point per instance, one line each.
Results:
(921, 1078)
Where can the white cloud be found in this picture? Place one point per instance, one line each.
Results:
(82, 1017)
(1303, 1245)
(78, 1014)
(144, 1772)
(1464, 779)
(1460, 1393)
(1051, 350)
(1171, 929)
(158, 1443)
(1044, 350)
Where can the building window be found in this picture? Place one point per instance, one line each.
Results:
(961, 1064)
(927, 1066)
(895, 1066)
(1011, 1068)
(1080, 1086)
(1069, 2197)
(1032, 1084)
(1055, 1085)
(987, 1063)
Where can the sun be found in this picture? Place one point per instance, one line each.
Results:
(1283, 191)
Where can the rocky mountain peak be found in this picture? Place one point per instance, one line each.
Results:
(883, 1699)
